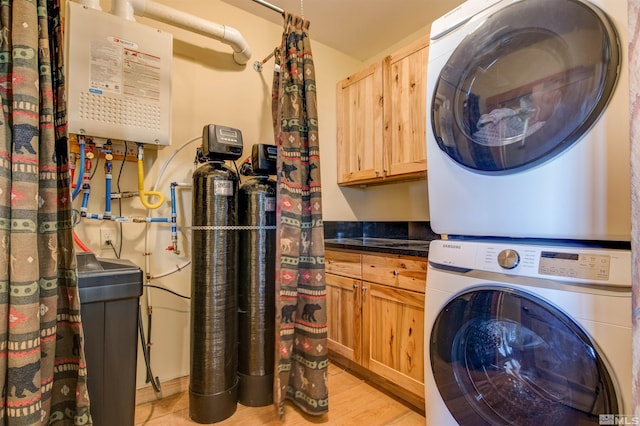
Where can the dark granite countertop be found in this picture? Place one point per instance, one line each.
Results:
(381, 245)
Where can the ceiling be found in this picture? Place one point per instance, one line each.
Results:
(358, 28)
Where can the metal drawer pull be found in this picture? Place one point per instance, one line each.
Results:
(355, 286)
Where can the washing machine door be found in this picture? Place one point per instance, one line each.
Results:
(525, 85)
(503, 356)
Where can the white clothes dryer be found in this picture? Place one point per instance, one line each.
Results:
(527, 334)
(528, 120)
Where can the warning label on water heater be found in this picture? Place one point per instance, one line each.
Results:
(118, 66)
(106, 66)
(223, 187)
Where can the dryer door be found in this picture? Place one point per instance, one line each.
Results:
(502, 356)
(525, 85)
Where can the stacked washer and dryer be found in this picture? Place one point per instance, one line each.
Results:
(528, 300)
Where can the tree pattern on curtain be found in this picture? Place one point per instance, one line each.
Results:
(300, 283)
(42, 364)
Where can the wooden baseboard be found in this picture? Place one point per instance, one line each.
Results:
(168, 388)
(411, 400)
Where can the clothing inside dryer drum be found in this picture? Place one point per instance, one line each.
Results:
(500, 356)
(525, 85)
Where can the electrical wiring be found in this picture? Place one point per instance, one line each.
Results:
(155, 382)
(95, 168)
(147, 267)
(115, 252)
(168, 291)
(124, 160)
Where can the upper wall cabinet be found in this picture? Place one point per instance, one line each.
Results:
(405, 111)
(360, 126)
(381, 116)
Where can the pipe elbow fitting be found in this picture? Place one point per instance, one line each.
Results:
(241, 49)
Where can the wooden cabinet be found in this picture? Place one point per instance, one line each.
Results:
(405, 111)
(376, 316)
(381, 116)
(394, 331)
(360, 126)
(344, 317)
(397, 271)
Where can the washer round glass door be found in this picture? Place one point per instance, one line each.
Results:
(503, 356)
(525, 85)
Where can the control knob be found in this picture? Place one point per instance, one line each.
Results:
(508, 259)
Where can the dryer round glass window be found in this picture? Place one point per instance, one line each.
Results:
(503, 356)
(525, 85)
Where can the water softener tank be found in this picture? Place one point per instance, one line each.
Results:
(256, 284)
(213, 383)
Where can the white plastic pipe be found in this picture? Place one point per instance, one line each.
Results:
(171, 16)
(123, 9)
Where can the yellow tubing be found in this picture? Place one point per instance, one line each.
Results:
(144, 194)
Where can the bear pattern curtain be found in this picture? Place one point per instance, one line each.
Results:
(42, 364)
(301, 344)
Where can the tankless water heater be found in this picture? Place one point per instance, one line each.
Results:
(118, 77)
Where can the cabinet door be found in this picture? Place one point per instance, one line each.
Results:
(344, 316)
(405, 77)
(409, 273)
(393, 320)
(360, 126)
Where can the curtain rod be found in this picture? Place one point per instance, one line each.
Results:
(270, 6)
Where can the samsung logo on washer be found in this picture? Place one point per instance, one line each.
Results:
(451, 246)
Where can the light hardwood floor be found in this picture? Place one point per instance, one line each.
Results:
(352, 401)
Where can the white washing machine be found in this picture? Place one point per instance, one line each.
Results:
(528, 120)
(527, 334)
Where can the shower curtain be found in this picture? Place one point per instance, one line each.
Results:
(42, 365)
(301, 344)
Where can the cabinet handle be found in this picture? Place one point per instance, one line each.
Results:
(395, 273)
(377, 172)
(355, 286)
(364, 288)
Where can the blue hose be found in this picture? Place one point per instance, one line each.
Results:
(85, 200)
(80, 174)
(107, 190)
(174, 226)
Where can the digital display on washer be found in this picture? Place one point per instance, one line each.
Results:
(554, 255)
(574, 265)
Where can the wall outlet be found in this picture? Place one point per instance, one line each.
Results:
(107, 238)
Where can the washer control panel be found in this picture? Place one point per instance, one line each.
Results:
(564, 263)
(577, 265)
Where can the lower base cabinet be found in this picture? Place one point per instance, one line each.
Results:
(376, 325)
(394, 328)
